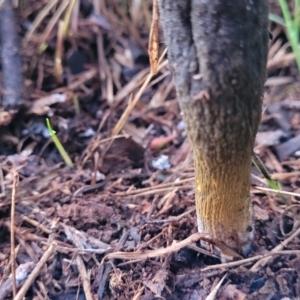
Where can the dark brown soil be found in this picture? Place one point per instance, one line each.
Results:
(119, 197)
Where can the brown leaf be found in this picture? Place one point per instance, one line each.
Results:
(260, 213)
(42, 105)
(5, 118)
(123, 153)
(157, 284)
(145, 207)
(269, 138)
(231, 292)
(153, 48)
(160, 142)
(288, 148)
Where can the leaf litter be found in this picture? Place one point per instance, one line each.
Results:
(113, 226)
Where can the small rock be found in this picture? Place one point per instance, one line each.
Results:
(161, 163)
(88, 133)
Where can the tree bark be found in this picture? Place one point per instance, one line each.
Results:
(217, 52)
(12, 80)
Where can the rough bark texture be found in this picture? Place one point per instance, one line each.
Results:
(12, 80)
(217, 52)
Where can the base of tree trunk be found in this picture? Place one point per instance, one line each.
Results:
(217, 52)
(222, 188)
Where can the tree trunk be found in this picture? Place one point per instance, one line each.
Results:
(217, 52)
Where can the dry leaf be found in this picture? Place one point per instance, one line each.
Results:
(157, 284)
(288, 148)
(160, 142)
(231, 292)
(5, 118)
(260, 213)
(145, 207)
(153, 48)
(41, 106)
(136, 133)
(269, 138)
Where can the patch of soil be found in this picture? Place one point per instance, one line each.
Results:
(131, 193)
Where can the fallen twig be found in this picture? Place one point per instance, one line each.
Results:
(21, 273)
(264, 261)
(172, 219)
(248, 260)
(84, 277)
(108, 267)
(163, 187)
(118, 127)
(76, 240)
(12, 235)
(173, 248)
(35, 272)
(264, 189)
(215, 290)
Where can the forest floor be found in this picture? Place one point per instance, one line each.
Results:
(119, 224)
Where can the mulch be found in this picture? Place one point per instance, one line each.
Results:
(120, 223)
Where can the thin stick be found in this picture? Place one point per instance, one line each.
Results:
(2, 183)
(38, 20)
(154, 188)
(264, 261)
(108, 267)
(12, 234)
(146, 254)
(21, 274)
(234, 263)
(35, 272)
(249, 260)
(135, 100)
(260, 188)
(85, 278)
(76, 240)
(215, 290)
(161, 191)
(173, 218)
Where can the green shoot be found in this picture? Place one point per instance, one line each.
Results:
(43, 47)
(76, 105)
(59, 146)
(273, 184)
(297, 18)
(292, 27)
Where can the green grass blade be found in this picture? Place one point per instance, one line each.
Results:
(76, 105)
(292, 27)
(59, 146)
(297, 18)
(273, 184)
